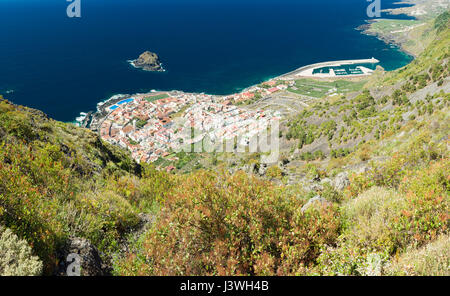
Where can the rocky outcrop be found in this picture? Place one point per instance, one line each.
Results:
(262, 169)
(341, 181)
(80, 257)
(148, 61)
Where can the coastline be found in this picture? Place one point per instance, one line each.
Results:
(366, 29)
(363, 28)
(307, 71)
(94, 119)
(406, 34)
(292, 75)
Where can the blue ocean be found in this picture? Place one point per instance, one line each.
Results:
(67, 65)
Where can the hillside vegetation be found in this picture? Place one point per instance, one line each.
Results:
(59, 181)
(391, 217)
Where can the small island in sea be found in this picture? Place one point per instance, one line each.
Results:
(148, 61)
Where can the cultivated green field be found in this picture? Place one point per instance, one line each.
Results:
(157, 97)
(319, 89)
(389, 26)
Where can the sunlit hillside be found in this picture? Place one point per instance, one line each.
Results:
(365, 192)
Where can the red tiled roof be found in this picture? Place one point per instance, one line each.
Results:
(248, 95)
(128, 129)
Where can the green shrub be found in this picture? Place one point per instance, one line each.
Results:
(16, 258)
(431, 260)
(232, 225)
(371, 216)
(274, 172)
(381, 223)
(54, 183)
(15, 123)
(442, 21)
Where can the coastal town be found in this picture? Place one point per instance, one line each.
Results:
(153, 125)
(159, 124)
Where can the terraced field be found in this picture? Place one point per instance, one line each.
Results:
(320, 89)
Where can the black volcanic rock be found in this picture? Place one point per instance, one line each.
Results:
(148, 61)
(89, 259)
